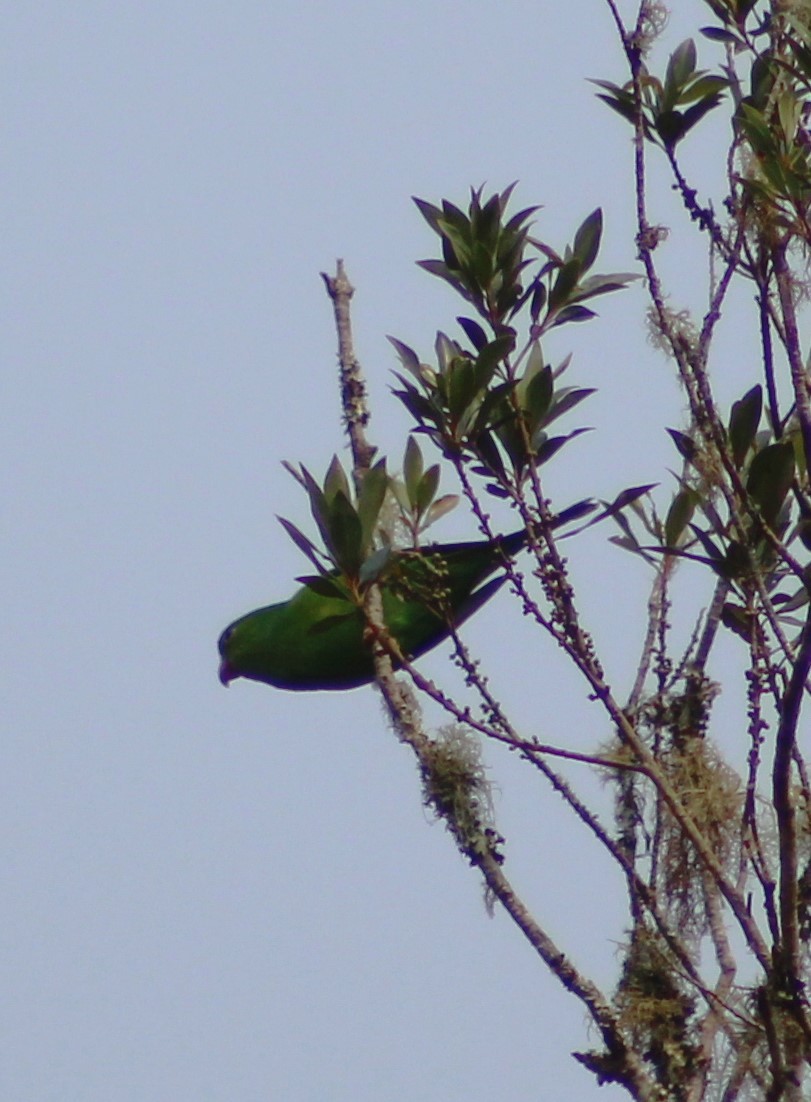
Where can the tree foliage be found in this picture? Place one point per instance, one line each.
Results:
(711, 999)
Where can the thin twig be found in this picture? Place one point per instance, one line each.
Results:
(799, 378)
(786, 814)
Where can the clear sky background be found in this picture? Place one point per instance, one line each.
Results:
(217, 895)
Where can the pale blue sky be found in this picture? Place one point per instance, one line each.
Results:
(216, 895)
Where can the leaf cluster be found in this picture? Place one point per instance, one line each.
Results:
(482, 254)
(485, 400)
(771, 123)
(347, 527)
(354, 528)
(669, 107)
(737, 542)
(416, 493)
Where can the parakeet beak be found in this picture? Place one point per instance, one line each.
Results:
(227, 672)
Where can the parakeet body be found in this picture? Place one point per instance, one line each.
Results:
(314, 641)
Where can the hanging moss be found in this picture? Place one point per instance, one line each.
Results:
(658, 1013)
(456, 789)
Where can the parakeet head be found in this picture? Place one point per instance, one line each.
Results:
(242, 644)
(227, 669)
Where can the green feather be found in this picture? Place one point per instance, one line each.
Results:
(315, 641)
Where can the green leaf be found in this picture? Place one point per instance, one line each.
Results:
(693, 114)
(679, 516)
(757, 130)
(515, 224)
(737, 619)
(310, 484)
(303, 543)
(482, 265)
(493, 408)
(685, 444)
(374, 566)
(426, 491)
(336, 481)
(538, 290)
(623, 105)
(630, 543)
(785, 603)
(565, 283)
(535, 363)
(491, 356)
(536, 398)
(430, 213)
(603, 285)
(671, 127)
(398, 489)
(718, 566)
(618, 99)
(788, 112)
(324, 585)
(802, 55)
(412, 469)
(373, 489)
(722, 9)
(512, 442)
(681, 66)
(743, 423)
(623, 499)
(736, 561)
(718, 34)
(318, 505)
(630, 495)
(703, 87)
(453, 216)
(562, 366)
(489, 456)
(506, 193)
(421, 409)
(619, 519)
(770, 476)
(571, 313)
(346, 534)
(446, 351)
(461, 386)
(441, 270)
(439, 508)
(486, 222)
(552, 446)
(476, 335)
(587, 239)
(715, 555)
(408, 357)
(575, 512)
(566, 399)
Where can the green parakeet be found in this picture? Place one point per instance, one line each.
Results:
(315, 641)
